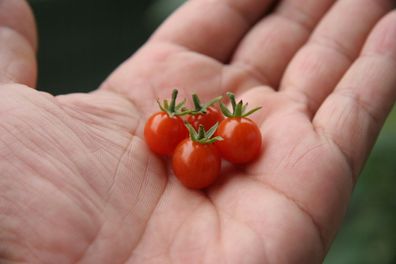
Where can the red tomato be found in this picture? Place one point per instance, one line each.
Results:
(208, 119)
(241, 142)
(196, 165)
(163, 133)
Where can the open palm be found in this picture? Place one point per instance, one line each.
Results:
(78, 184)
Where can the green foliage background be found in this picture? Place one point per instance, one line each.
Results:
(82, 41)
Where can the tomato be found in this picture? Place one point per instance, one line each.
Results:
(163, 132)
(165, 129)
(208, 119)
(196, 165)
(241, 142)
(204, 114)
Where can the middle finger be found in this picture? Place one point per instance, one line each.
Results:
(269, 46)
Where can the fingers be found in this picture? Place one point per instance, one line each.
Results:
(17, 15)
(211, 27)
(17, 59)
(270, 45)
(17, 43)
(353, 114)
(333, 47)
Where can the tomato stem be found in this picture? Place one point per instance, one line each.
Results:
(173, 101)
(197, 103)
(201, 132)
(232, 99)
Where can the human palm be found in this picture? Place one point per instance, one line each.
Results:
(78, 183)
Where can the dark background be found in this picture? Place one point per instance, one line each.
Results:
(82, 41)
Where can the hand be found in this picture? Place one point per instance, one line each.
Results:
(78, 184)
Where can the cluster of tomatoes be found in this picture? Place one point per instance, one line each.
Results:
(198, 139)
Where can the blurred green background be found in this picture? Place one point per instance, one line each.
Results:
(82, 41)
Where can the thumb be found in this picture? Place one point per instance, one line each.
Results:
(18, 43)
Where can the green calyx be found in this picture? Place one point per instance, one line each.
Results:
(201, 136)
(202, 108)
(238, 109)
(173, 109)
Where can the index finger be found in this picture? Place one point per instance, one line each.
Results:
(210, 27)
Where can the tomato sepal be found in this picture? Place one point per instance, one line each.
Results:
(173, 109)
(201, 136)
(202, 108)
(238, 109)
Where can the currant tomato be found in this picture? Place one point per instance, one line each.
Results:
(196, 165)
(241, 142)
(204, 114)
(164, 130)
(163, 133)
(196, 161)
(208, 119)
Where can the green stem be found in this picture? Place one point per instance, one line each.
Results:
(238, 109)
(232, 100)
(172, 107)
(201, 132)
(197, 103)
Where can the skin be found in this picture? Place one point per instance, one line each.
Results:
(79, 185)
